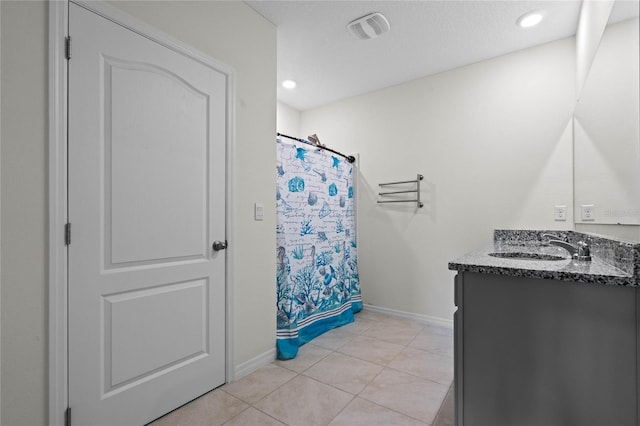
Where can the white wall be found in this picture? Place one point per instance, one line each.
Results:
(627, 233)
(594, 15)
(24, 212)
(493, 141)
(228, 31)
(288, 120)
(0, 214)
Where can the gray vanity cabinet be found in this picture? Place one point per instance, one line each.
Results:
(531, 351)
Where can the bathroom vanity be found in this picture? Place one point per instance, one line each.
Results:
(542, 339)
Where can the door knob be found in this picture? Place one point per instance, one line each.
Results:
(219, 245)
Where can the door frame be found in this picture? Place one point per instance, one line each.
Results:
(58, 184)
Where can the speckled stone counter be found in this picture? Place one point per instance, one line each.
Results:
(534, 335)
(613, 262)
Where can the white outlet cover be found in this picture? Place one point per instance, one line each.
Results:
(588, 212)
(560, 212)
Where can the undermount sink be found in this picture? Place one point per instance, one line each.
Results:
(516, 255)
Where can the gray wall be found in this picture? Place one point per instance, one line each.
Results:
(24, 212)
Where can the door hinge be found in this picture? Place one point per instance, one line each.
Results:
(67, 234)
(67, 417)
(67, 47)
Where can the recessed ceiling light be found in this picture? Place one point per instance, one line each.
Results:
(530, 19)
(289, 84)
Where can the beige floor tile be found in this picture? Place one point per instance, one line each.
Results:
(403, 322)
(396, 384)
(439, 329)
(393, 332)
(344, 372)
(359, 326)
(304, 401)
(253, 417)
(255, 386)
(364, 413)
(408, 394)
(371, 315)
(372, 350)
(446, 416)
(334, 339)
(211, 409)
(436, 343)
(424, 364)
(307, 356)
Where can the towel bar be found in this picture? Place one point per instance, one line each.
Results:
(417, 180)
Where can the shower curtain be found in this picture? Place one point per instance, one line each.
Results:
(318, 286)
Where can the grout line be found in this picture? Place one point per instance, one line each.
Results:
(394, 410)
(381, 318)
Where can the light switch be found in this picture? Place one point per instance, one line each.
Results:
(258, 211)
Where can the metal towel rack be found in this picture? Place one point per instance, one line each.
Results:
(417, 180)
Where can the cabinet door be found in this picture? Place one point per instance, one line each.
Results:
(545, 352)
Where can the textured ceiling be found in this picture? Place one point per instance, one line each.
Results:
(316, 49)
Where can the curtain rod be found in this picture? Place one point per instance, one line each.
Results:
(349, 158)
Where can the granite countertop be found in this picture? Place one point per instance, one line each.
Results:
(617, 266)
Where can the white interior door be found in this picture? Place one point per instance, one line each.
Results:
(147, 137)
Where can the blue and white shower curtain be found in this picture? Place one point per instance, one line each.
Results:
(317, 274)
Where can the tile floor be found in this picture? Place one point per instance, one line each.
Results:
(379, 370)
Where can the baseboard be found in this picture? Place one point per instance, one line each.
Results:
(253, 364)
(423, 319)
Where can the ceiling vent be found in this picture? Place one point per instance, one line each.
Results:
(369, 26)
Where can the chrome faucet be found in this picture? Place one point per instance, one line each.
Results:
(579, 251)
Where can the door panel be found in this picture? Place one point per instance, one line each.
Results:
(174, 330)
(142, 193)
(147, 137)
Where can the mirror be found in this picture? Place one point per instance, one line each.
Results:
(606, 126)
